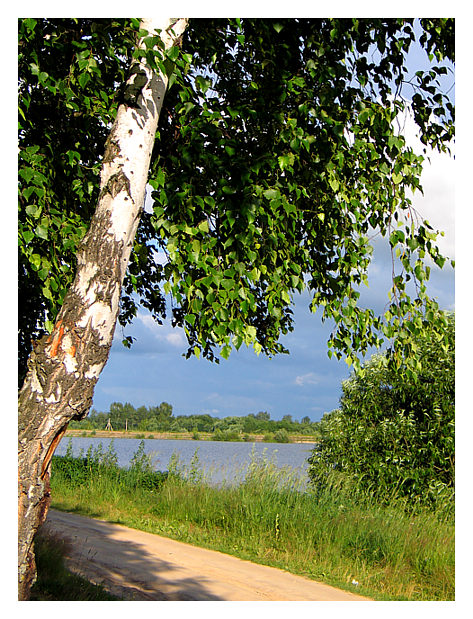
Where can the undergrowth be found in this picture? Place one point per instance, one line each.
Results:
(383, 551)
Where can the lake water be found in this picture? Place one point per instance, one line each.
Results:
(219, 460)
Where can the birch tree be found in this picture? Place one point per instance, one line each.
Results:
(279, 158)
(64, 366)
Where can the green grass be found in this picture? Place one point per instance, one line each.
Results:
(393, 554)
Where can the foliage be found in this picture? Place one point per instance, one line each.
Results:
(277, 156)
(281, 436)
(161, 419)
(226, 435)
(392, 436)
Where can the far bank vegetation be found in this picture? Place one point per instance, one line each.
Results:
(159, 422)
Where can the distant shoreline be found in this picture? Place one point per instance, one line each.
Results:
(188, 436)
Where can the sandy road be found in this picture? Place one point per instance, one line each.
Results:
(141, 566)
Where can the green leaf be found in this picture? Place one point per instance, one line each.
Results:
(334, 184)
(42, 231)
(286, 161)
(27, 193)
(27, 235)
(271, 194)
(26, 173)
(396, 237)
(225, 352)
(173, 53)
(33, 210)
(84, 79)
(190, 318)
(228, 190)
(160, 177)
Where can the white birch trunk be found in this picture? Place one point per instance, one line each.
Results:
(64, 367)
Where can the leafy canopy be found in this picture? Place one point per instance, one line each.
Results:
(277, 157)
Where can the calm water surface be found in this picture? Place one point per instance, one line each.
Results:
(219, 460)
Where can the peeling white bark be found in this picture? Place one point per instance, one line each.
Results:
(35, 384)
(84, 281)
(102, 317)
(133, 137)
(94, 371)
(70, 363)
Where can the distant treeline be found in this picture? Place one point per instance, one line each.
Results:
(161, 419)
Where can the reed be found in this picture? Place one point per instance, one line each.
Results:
(270, 516)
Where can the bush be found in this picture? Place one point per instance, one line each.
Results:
(391, 436)
(226, 435)
(282, 436)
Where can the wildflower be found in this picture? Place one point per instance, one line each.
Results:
(355, 582)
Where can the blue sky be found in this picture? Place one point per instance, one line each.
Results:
(306, 382)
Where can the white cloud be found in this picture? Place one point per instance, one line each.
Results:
(175, 339)
(307, 379)
(166, 333)
(437, 203)
(147, 321)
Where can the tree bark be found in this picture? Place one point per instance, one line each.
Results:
(64, 367)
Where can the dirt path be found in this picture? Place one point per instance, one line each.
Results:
(141, 566)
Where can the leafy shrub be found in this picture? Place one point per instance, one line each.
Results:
(226, 435)
(281, 436)
(392, 436)
(75, 470)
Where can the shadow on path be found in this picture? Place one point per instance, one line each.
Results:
(103, 553)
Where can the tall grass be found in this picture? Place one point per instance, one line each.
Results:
(270, 517)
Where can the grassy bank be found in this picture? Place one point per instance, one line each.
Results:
(383, 552)
(199, 436)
